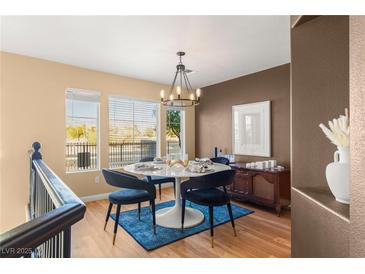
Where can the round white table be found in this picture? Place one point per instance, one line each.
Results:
(171, 216)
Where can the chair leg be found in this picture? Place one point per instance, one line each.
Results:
(116, 223)
(153, 216)
(231, 217)
(183, 202)
(159, 190)
(139, 211)
(211, 220)
(108, 214)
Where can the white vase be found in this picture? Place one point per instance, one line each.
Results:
(338, 175)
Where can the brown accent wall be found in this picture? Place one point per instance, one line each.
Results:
(357, 138)
(317, 232)
(320, 92)
(214, 114)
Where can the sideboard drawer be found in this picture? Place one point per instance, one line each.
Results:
(242, 183)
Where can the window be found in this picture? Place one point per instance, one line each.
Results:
(82, 130)
(133, 130)
(175, 141)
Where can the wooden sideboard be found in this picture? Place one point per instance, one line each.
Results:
(263, 187)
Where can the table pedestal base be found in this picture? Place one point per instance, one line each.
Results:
(171, 216)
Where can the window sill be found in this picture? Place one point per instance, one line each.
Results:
(83, 171)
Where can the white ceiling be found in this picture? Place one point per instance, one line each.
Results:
(218, 47)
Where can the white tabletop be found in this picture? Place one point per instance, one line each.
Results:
(171, 216)
(176, 171)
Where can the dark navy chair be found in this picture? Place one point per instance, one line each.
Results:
(207, 191)
(220, 160)
(134, 191)
(158, 180)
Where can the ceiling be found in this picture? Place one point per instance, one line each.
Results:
(144, 47)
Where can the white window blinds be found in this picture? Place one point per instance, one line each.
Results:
(132, 120)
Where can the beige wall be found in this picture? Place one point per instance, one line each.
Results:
(33, 109)
(214, 114)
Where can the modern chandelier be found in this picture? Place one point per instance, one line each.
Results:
(180, 96)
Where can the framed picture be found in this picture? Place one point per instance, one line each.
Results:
(251, 129)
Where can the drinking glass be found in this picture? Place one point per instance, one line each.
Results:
(168, 159)
(185, 159)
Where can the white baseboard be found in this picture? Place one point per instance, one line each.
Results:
(95, 197)
(104, 196)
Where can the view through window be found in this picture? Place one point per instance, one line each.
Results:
(82, 126)
(175, 133)
(133, 130)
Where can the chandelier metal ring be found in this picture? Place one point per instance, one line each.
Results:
(180, 96)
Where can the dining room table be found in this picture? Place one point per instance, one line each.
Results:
(170, 217)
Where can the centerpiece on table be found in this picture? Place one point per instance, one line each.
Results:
(184, 161)
(338, 172)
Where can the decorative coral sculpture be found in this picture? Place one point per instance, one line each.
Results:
(338, 131)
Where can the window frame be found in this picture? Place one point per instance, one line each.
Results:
(98, 136)
(183, 130)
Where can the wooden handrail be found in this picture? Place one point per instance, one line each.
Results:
(26, 237)
(47, 227)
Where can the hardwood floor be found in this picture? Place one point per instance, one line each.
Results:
(261, 234)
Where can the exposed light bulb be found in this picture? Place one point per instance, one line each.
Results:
(192, 97)
(198, 92)
(162, 93)
(171, 97)
(178, 90)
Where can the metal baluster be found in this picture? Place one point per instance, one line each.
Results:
(39, 196)
(55, 246)
(61, 244)
(36, 195)
(67, 243)
(45, 203)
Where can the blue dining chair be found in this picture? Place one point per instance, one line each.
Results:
(134, 191)
(220, 160)
(158, 180)
(207, 191)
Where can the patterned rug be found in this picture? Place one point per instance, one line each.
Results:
(142, 230)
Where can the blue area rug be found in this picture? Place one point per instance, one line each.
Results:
(142, 230)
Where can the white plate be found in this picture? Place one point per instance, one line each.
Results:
(148, 168)
(158, 162)
(205, 170)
